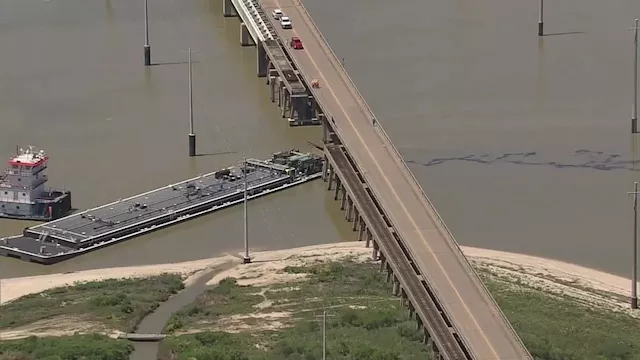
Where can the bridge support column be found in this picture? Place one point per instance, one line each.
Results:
(436, 352)
(311, 109)
(228, 10)
(363, 226)
(356, 218)
(286, 103)
(330, 175)
(245, 36)
(374, 252)
(343, 201)
(280, 92)
(300, 110)
(336, 196)
(349, 214)
(426, 338)
(383, 262)
(325, 128)
(262, 59)
(325, 167)
(271, 81)
(389, 273)
(396, 286)
(369, 236)
(412, 310)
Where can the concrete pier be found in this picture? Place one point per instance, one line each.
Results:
(228, 10)
(245, 36)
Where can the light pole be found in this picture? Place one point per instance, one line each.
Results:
(246, 259)
(634, 111)
(634, 267)
(324, 334)
(147, 47)
(192, 135)
(541, 18)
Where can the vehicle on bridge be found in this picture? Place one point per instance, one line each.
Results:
(296, 43)
(285, 22)
(277, 14)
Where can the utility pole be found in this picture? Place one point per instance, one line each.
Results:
(541, 18)
(147, 47)
(634, 111)
(247, 258)
(192, 135)
(634, 276)
(324, 335)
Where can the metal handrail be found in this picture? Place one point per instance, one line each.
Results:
(415, 181)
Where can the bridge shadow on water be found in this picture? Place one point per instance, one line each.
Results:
(580, 159)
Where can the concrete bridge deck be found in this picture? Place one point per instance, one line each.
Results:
(477, 319)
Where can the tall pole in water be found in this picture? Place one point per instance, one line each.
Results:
(634, 131)
(634, 267)
(634, 111)
(246, 259)
(147, 47)
(192, 135)
(541, 18)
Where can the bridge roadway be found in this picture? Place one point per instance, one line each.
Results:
(476, 317)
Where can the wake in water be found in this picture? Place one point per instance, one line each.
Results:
(584, 159)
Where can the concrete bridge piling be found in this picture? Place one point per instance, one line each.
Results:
(286, 88)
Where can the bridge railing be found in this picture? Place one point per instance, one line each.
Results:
(254, 29)
(416, 183)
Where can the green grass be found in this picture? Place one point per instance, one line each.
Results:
(89, 347)
(365, 321)
(368, 323)
(557, 328)
(118, 304)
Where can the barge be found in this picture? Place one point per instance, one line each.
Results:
(23, 194)
(92, 229)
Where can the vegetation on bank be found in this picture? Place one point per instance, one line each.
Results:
(284, 321)
(115, 304)
(94, 347)
(558, 328)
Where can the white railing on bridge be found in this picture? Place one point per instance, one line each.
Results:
(255, 19)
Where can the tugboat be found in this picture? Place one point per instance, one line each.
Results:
(23, 195)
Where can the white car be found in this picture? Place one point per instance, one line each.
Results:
(285, 22)
(277, 14)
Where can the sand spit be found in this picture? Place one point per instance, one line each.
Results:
(588, 286)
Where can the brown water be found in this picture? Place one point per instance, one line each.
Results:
(72, 82)
(521, 142)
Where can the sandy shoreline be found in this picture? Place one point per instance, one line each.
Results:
(547, 274)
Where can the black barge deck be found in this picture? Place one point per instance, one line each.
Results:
(108, 224)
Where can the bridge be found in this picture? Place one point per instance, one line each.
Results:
(387, 205)
(142, 337)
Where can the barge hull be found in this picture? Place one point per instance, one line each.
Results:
(28, 248)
